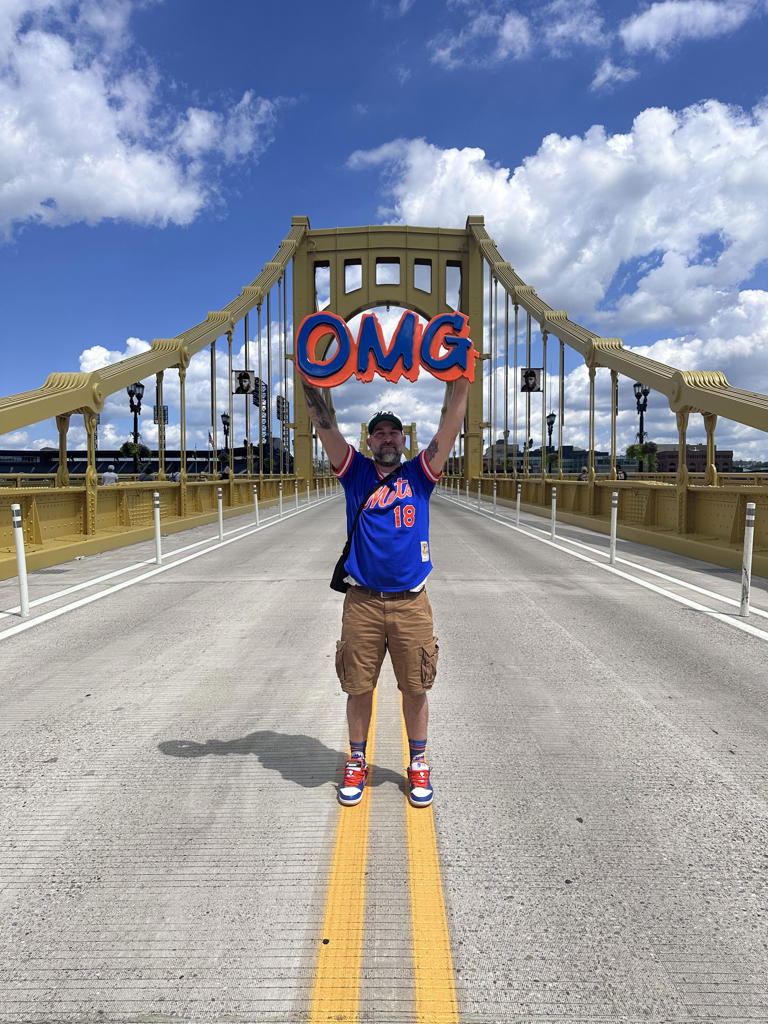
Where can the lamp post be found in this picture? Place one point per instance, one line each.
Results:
(550, 426)
(641, 396)
(225, 424)
(135, 394)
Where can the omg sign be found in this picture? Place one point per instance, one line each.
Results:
(443, 348)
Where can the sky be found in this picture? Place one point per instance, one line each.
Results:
(153, 152)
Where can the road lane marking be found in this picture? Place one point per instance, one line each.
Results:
(336, 991)
(216, 545)
(433, 977)
(729, 620)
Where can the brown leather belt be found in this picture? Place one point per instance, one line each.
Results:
(389, 595)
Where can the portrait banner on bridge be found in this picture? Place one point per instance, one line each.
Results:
(443, 348)
(530, 378)
(243, 382)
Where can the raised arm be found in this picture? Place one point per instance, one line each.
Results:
(329, 434)
(439, 448)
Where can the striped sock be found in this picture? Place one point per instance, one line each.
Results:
(417, 749)
(357, 751)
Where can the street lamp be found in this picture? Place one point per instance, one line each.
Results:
(135, 394)
(641, 396)
(550, 427)
(225, 424)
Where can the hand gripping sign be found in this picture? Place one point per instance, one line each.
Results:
(443, 348)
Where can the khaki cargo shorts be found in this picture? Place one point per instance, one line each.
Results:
(373, 625)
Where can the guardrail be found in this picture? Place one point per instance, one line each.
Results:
(58, 525)
(649, 512)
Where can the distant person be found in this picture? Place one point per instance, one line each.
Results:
(620, 474)
(110, 477)
(146, 474)
(584, 473)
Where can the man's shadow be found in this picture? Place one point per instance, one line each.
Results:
(298, 758)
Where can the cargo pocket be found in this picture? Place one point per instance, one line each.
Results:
(340, 672)
(429, 654)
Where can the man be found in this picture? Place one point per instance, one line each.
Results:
(110, 477)
(386, 606)
(244, 386)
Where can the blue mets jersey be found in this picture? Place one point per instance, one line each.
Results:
(390, 545)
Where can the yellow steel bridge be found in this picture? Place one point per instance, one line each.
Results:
(431, 271)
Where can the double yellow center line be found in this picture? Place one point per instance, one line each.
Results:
(336, 992)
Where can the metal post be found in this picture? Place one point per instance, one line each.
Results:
(21, 560)
(158, 549)
(467, 491)
(554, 513)
(495, 485)
(280, 497)
(517, 511)
(478, 495)
(614, 518)
(746, 564)
(256, 502)
(296, 493)
(308, 495)
(325, 488)
(221, 513)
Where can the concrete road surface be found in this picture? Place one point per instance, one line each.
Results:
(171, 752)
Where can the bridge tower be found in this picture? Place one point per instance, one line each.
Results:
(390, 266)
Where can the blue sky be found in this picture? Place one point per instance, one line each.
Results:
(152, 154)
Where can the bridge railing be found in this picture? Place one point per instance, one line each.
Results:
(702, 515)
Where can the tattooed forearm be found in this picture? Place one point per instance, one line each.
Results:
(432, 449)
(317, 409)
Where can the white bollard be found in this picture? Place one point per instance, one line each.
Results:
(309, 498)
(280, 498)
(467, 489)
(494, 496)
(614, 519)
(325, 488)
(220, 500)
(256, 502)
(554, 513)
(21, 559)
(156, 508)
(296, 493)
(478, 495)
(746, 564)
(517, 509)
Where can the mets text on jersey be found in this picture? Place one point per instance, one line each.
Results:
(443, 348)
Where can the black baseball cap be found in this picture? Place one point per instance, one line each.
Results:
(381, 417)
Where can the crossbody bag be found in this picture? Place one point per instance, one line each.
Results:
(339, 573)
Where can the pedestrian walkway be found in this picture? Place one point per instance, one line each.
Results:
(171, 845)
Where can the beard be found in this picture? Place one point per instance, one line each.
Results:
(387, 456)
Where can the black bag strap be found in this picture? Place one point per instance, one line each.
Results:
(379, 483)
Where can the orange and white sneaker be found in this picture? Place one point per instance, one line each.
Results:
(419, 787)
(355, 774)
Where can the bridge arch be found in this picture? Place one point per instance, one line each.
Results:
(431, 271)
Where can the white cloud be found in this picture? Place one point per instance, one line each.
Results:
(491, 34)
(670, 22)
(565, 24)
(95, 357)
(85, 134)
(608, 74)
(485, 39)
(656, 228)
